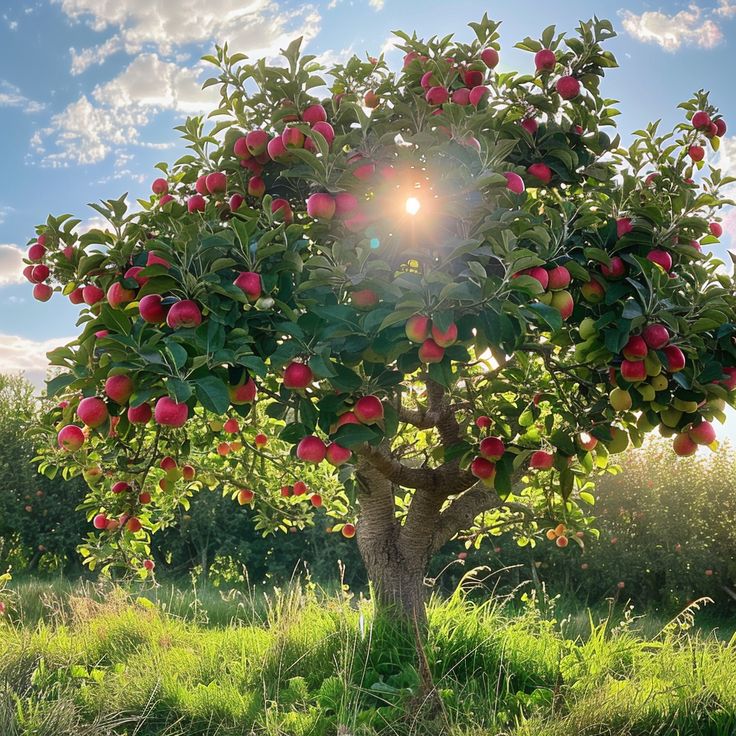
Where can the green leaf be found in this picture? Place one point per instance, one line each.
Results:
(58, 383)
(213, 394)
(549, 314)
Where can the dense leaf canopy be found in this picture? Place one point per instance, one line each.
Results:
(387, 274)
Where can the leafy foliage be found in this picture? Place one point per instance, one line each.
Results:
(455, 243)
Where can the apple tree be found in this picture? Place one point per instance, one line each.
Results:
(437, 300)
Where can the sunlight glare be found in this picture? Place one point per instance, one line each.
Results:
(413, 205)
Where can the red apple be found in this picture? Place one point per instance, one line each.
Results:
(337, 455)
(492, 448)
(514, 182)
(77, 296)
(169, 413)
(36, 252)
(540, 171)
(368, 409)
(200, 186)
(260, 440)
(277, 149)
(703, 433)
(489, 57)
(316, 500)
(483, 469)
(40, 273)
(231, 426)
(431, 352)
(445, 338)
(160, 186)
(701, 120)
(635, 348)
(478, 94)
(245, 496)
(118, 295)
(655, 336)
(661, 258)
(348, 531)
(151, 309)
(720, 127)
(696, 153)
(100, 521)
(167, 463)
(300, 488)
(292, 138)
(683, 445)
(461, 96)
(633, 371)
(321, 206)
(437, 95)
(716, 229)
(140, 414)
(418, 328)
(119, 388)
(314, 114)
(92, 411)
(675, 358)
(184, 315)
(42, 292)
(558, 278)
(530, 125)
(311, 449)
(196, 203)
(541, 460)
(483, 422)
(564, 303)
(568, 87)
(545, 60)
(615, 270)
(244, 393)
(134, 273)
(70, 438)
(257, 142)
(364, 298)
(297, 376)
(623, 226)
(281, 210)
(593, 291)
(250, 283)
(153, 260)
(120, 487)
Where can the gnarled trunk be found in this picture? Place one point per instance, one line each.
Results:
(396, 564)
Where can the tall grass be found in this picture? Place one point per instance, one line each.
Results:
(87, 659)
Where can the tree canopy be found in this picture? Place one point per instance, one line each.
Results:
(449, 282)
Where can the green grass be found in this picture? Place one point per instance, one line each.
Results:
(83, 660)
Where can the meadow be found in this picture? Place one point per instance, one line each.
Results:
(82, 659)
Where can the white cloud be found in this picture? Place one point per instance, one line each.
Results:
(82, 60)
(727, 163)
(726, 8)
(11, 96)
(114, 114)
(257, 27)
(4, 212)
(20, 354)
(11, 265)
(687, 27)
(376, 4)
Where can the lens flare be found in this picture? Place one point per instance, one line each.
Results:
(413, 205)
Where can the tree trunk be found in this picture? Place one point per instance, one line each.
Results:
(397, 581)
(395, 569)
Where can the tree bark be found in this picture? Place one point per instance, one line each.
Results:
(396, 571)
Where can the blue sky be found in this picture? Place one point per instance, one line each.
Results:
(90, 90)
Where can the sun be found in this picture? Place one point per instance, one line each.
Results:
(412, 206)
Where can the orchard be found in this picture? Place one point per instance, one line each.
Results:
(451, 286)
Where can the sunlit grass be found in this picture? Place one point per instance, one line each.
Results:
(99, 661)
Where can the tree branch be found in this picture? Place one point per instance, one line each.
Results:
(463, 510)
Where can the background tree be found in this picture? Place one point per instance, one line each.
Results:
(37, 520)
(448, 282)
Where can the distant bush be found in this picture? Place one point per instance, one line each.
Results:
(668, 533)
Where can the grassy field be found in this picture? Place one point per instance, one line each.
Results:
(83, 660)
